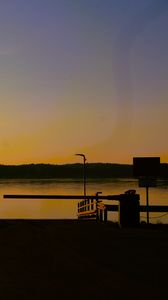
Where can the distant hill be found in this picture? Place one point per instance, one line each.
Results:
(93, 170)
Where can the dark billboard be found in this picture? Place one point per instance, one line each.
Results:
(146, 166)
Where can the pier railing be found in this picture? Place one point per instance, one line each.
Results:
(93, 207)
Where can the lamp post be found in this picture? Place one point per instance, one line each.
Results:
(84, 173)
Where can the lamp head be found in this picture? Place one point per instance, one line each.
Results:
(81, 154)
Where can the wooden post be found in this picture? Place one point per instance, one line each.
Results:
(101, 214)
(147, 204)
(105, 215)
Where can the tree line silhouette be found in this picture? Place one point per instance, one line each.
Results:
(93, 170)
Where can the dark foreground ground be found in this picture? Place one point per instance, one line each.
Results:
(82, 260)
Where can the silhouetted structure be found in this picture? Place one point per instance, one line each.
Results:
(93, 207)
(128, 208)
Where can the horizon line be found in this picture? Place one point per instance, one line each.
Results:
(76, 163)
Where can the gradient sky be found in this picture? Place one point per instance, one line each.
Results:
(85, 76)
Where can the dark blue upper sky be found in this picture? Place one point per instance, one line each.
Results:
(83, 74)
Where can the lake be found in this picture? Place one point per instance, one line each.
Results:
(67, 209)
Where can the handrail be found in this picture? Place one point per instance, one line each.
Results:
(65, 197)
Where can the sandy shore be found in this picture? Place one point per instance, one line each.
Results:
(81, 260)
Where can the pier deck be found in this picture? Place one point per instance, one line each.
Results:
(52, 259)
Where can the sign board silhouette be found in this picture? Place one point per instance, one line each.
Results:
(146, 166)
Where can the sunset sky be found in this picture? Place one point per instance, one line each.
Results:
(87, 76)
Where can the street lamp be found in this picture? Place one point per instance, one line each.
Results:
(84, 172)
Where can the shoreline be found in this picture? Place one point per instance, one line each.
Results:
(112, 224)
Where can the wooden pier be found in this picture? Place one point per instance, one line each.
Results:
(93, 207)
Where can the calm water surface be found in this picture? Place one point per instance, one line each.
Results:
(68, 208)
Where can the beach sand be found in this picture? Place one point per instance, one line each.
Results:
(68, 259)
